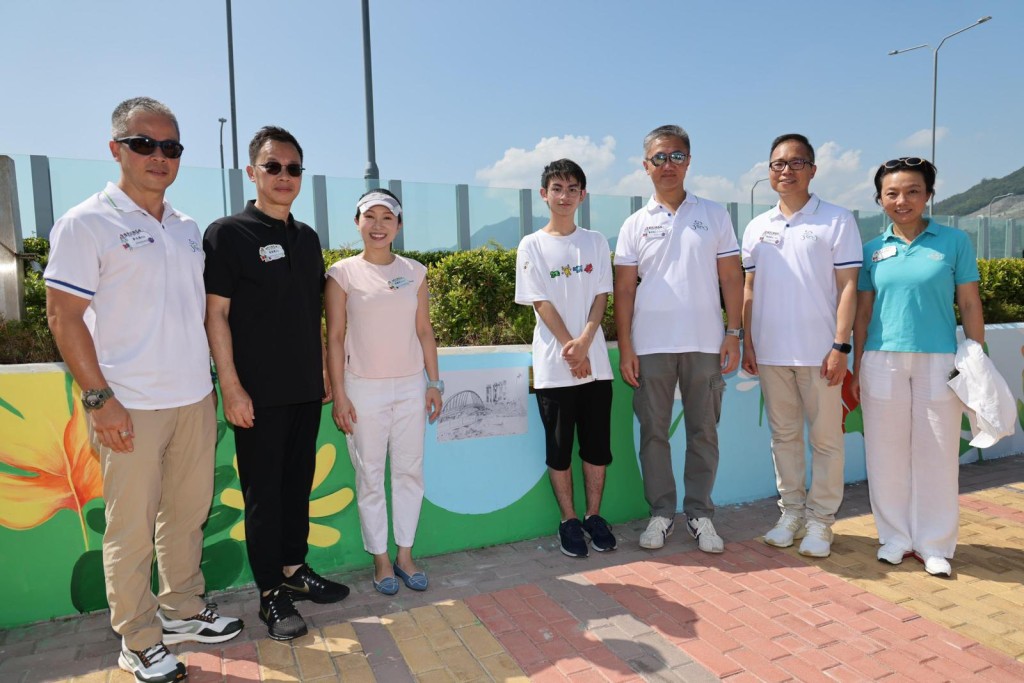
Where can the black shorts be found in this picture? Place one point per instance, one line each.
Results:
(584, 410)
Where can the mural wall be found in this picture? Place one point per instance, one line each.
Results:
(484, 470)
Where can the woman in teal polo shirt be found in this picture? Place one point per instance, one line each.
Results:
(904, 347)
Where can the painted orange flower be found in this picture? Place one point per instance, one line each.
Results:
(50, 465)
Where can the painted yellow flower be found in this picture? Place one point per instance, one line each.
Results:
(319, 535)
(46, 447)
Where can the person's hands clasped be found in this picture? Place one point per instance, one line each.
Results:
(112, 425)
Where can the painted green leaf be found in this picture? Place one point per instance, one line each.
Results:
(222, 429)
(222, 564)
(675, 424)
(1020, 413)
(223, 477)
(88, 591)
(97, 520)
(965, 424)
(855, 421)
(221, 518)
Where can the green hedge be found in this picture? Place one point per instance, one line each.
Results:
(472, 301)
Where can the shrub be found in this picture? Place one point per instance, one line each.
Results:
(472, 300)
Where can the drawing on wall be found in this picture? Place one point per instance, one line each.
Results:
(481, 403)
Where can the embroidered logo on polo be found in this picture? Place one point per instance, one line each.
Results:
(271, 252)
(699, 225)
(568, 270)
(135, 239)
(194, 246)
(399, 282)
(809, 235)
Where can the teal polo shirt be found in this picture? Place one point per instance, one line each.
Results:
(915, 287)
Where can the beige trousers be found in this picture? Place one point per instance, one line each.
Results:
(794, 396)
(157, 498)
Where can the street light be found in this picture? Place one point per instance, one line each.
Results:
(231, 87)
(223, 183)
(1002, 196)
(372, 174)
(752, 197)
(935, 81)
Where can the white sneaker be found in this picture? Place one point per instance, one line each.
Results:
(937, 566)
(703, 530)
(658, 529)
(152, 665)
(790, 526)
(818, 539)
(205, 627)
(891, 554)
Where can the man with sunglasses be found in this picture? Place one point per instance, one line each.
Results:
(801, 259)
(264, 282)
(672, 258)
(125, 303)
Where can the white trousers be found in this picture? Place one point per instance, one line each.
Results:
(390, 419)
(792, 396)
(911, 443)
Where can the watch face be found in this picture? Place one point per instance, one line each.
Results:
(92, 400)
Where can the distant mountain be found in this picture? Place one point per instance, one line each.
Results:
(977, 198)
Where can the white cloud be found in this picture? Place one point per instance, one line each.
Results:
(522, 168)
(714, 187)
(922, 139)
(635, 183)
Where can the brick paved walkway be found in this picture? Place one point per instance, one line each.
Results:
(523, 612)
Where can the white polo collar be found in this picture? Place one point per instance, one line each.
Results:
(808, 209)
(654, 206)
(117, 198)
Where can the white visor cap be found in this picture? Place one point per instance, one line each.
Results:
(379, 199)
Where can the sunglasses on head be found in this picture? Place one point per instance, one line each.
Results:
(274, 167)
(147, 146)
(676, 158)
(908, 162)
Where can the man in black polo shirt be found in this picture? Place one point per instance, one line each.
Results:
(264, 279)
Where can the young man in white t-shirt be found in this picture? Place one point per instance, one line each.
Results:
(672, 258)
(564, 272)
(799, 309)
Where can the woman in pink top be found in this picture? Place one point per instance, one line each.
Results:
(377, 365)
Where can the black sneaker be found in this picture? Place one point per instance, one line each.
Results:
(570, 533)
(600, 533)
(279, 614)
(306, 584)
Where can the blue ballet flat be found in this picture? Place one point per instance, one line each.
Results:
(388, 585)
(417, 581)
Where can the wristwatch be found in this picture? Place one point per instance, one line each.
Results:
(738, 333)
(92, 399)
(436, 384)
(842, 348)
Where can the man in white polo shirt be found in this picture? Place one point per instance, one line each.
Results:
(801, 258)
(672, 258)
(125, 301)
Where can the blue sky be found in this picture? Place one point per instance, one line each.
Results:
(485, 93)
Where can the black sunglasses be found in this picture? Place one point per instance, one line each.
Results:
(274, 167)
(909, 162)
(660, 158)
(146, 146)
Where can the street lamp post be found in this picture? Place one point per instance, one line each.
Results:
(223, 182)
(988, 221)
(371, 173)
(752, 197)
(231, 88)
(935, 81)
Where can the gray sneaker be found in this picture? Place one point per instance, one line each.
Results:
(205, 627)
(152, 665)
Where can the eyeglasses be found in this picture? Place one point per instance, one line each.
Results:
(274, 167)
(564, 192)
(779, 165)
(677, 158)
(146, 146)
(909, 162)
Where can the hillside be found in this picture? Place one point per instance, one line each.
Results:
(978, 197)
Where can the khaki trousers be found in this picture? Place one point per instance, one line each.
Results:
(794, 395)
(157, 497)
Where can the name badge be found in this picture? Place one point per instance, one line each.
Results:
(884, 253)
(399, 282)
(771, 237)
(656, 231)
(271, 252)
(136, 239)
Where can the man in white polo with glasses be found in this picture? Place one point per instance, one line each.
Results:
(125, 302)
(672, 259)
(801, 259)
